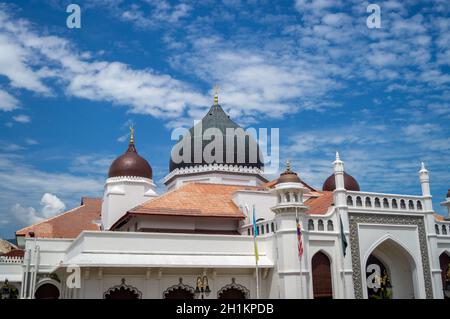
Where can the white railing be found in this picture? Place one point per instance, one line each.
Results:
(378, 201)
(264, 227)
(11, 260)
(442, 228)
(309, 222)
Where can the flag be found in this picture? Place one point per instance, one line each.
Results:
(299, 239)
(255, 234)
(343, 238)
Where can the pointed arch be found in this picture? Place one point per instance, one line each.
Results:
(179, 291)
(321, 275)
(400, 263)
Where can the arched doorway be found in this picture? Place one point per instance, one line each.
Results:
(47, 291)
(394, 270)
(179, 291)
(321, 273)
(233, 291)
(444, 261)
(122, 291)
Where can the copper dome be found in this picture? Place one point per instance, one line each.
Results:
(350, 183)
(130, 164)
(288, 176)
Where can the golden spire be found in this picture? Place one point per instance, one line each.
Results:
(131, 134)
(216, 95)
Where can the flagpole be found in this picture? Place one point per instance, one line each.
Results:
(257, 272)
(297, 224)
(342, 233)
(255, 248)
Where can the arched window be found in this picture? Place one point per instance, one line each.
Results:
(262, 230)
(349, 201)
(310, 224)
(377, 202)
(394, 203)
(419, 205)
(267, 228)
(273, 227)
(321, 273)
(402, 204)
(295, 197)
(385, 203)
(248, 232)
(320, 225)
(410, 204)
(279, 198)
(368, 202)
(444, 262)
(330, 226)
(436, 228)
(444, 230)
(358, 201)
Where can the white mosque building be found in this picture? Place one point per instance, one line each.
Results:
(196, 240)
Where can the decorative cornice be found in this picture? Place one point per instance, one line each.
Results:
(214, 168)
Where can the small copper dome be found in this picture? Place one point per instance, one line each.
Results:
(288, 176)
(350, 183)
(130, 164)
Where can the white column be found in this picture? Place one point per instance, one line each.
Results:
(430, 221)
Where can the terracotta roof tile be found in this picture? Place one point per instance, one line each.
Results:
(195, 199)
(68, 224)
(319, 205)
(14, 253)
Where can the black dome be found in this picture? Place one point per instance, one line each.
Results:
(350, 183)
(216, 118)
(130, 164)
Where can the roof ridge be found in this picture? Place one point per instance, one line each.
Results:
(51, 218)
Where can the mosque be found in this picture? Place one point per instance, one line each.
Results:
(200, 238)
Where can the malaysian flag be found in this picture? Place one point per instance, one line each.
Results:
(299, 238)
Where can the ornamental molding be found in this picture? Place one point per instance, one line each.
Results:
(181, 286)
(243, 169)
(355, 219)
(118, 179)
(124, 286)
(236, 286)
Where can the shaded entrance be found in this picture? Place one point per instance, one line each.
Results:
(444, 262)
(232, 293)
(321, 273)
(391, 272)
(47, 291)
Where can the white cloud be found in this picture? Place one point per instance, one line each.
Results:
(22, 118)
(7, 101)
(51, 205)
(31, 141)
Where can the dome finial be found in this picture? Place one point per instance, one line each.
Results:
(337, 156)
(288, 166)
(216, 94)
(131, 134)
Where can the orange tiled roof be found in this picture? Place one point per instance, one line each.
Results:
(68, 224)
(319, 205)
(14, 253)
(195, 199)
(439, 217)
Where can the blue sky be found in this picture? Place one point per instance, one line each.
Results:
(311, 68)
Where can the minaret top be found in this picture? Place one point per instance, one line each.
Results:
(216, 95)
